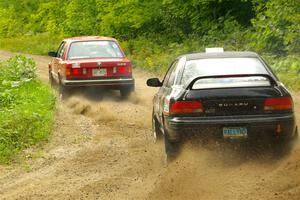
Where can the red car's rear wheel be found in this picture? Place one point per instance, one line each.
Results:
(126, 91)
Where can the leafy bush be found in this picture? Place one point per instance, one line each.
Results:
(288, 70)
(277, 26)
(19, 68)
(26, 107)
(13, 74)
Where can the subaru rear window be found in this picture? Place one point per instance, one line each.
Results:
(251, 81)
(94, 49)
(225, 66)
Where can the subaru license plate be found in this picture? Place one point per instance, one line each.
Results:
(235, 132)
(99, 72)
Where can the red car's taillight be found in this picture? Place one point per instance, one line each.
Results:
(76, 71)
(185, 107)
(122, 70)
(68, 71)
(281, 103)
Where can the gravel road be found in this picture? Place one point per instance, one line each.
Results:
(101, 148)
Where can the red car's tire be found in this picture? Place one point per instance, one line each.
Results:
(126, 91)
(51, 79)
(62, 90)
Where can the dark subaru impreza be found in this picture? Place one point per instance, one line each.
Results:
(230, 95)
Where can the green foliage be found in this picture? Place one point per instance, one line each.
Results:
(288, 70)
(200, 16)
(122, 18)
(154, 32)
(48, 18)
(277, 26)
(18, 68)
(127, 19)
(26, 107)
(80, 18)
(267, 26)
(9, 23)
(32, 44)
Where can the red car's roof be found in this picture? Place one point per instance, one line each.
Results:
(87, 38)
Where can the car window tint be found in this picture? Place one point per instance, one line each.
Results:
(61, 50)
(94, 49)
(221, 66)
(170, 73)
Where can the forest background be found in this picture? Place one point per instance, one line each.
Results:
(154, 32)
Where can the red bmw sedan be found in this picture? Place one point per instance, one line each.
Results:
(91, 61)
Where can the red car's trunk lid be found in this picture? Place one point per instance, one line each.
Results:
(100, 68)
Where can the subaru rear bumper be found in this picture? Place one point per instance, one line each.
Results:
(258, 126)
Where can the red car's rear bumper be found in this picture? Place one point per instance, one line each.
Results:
(99, 82)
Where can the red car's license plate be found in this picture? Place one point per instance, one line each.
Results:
(99, 72)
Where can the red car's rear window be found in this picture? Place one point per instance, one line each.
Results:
(94, 49)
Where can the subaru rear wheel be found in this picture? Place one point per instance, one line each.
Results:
(296, 135)
(156, 132)
(172, 149)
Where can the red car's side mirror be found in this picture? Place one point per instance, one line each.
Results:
(52, 54)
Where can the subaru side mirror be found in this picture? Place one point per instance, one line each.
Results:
(154, 82)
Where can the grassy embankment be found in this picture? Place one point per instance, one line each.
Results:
(155, 55)
(26, 107)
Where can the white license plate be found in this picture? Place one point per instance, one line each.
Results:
(99, 72)
(235, 132)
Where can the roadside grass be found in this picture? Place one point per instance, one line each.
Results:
(26, 108)
(31, 44)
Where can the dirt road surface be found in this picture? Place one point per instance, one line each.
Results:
(101, 148)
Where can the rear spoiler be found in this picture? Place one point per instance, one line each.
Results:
(271, 79)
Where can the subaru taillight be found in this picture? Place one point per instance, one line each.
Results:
(277, 104)
(185, 107)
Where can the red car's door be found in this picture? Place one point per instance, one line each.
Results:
(59, 58)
